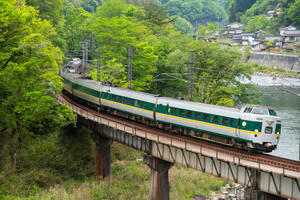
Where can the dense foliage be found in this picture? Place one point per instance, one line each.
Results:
(236, 8)
(253, 11)
(35, 36)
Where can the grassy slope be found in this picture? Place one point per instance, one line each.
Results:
(131, 180)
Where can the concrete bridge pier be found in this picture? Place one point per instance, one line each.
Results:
(103, 159)
(159, 187)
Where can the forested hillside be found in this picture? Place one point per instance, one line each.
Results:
(286, 12)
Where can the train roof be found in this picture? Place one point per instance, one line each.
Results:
(143, 96)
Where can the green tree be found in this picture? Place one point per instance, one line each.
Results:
(196, 11)
(28, 74)
(217, 69)
(235, 8)
(76, 27)
(260, 22)
(207, 31)
(50, 9)
(183, 25)
(117, 33)
(294, 13)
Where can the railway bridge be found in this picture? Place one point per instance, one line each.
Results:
(267, 177)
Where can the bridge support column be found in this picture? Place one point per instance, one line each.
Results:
(159, 188)
(103, 159)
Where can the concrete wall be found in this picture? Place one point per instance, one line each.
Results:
(287, 62)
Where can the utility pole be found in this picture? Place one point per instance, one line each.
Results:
(93, 46)
(191, 75)
(83, 57)
(129, 75)
(99, 72)
(86, 57)
(99, 63)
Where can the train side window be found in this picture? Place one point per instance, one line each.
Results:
(119, 99)
(140, 104)
(124, 100)
(189, 114)
(144, 104)
(205, 117)
(173, 111)
(231, 122)
(181, 112)
(197, 115)
(113, 97)
(224, 120)
(214, 119)
(136, 103)
(130, 101)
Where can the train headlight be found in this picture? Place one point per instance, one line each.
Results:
(270, 122)
(268, 144)
(256, 130)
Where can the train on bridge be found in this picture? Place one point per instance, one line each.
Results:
(253, 127)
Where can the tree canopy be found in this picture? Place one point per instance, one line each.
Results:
(28, 72)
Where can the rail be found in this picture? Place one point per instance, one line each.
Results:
(268, 163)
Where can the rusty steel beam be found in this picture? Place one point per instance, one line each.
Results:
(209, 158)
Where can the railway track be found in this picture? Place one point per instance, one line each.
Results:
(260, 158)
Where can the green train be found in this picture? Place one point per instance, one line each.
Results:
(252, 127)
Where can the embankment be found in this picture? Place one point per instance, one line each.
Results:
(284, 61)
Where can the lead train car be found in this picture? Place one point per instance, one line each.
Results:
(252, 127)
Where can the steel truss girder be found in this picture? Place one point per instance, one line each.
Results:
(281, 182)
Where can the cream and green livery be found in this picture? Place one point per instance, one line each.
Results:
(254, 127)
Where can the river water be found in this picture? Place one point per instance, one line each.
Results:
(281, 94)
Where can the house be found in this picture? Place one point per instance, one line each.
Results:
(248, 38)
(271, 14)
(289, 28)
(260, 46)
(237, 38)
(292, 36)
(278, 40)
(233, 29)
(260, 34)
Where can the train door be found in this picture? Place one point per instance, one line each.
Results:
(155, 109)
(237, 130)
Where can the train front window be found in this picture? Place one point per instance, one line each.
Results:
(260, 111)
(247, 110)
(272, 112)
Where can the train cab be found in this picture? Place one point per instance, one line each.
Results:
(270, 128)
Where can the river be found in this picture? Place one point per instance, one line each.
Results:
(287, 106)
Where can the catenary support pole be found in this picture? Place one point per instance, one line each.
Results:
(93, 46)
(99, 64)
(129, 75)
(159, 187)
(83, 57)
(191, 75)
(86, 57)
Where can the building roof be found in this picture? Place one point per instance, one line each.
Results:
(237, 37)
(292, 33)
(274, 38)
(288, 28)
(248, 34)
